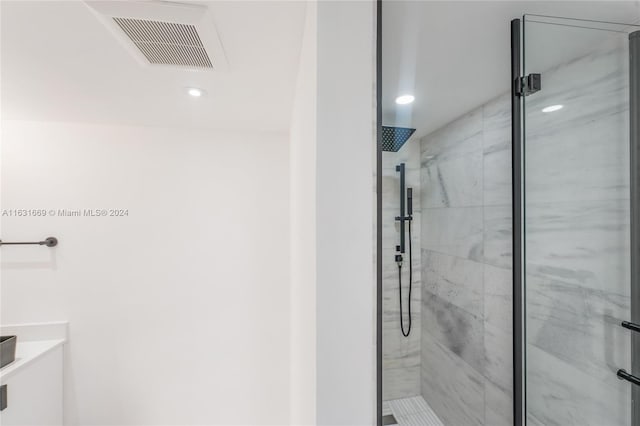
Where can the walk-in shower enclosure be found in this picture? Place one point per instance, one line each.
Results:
(526, 241)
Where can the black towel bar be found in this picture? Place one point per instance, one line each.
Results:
(49, 242)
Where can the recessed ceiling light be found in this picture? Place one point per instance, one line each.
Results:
(405, 99)
(195, 92)
(552, 108)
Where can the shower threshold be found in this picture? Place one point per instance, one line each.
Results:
(413, 411)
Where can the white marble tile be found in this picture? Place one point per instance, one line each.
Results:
(579, 325)
(559, 394)
(577, 253)
(577, 243)
(497, 235)
(497, 152)
(586, 162)
(585, 243)
(580, 152)
(459, 331)
(391, 301)
(390, 277)
(498, 347)
(498, 297)
(398, 350)
(498, 406)
(454, 180)
(454, 279)
(533, 421)
(605, 72)
(448, 141)
(497, 188)
(455, 391)
(454, 231)
(496, 125)
(400, 382)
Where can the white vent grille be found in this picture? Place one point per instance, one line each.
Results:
(166, 43)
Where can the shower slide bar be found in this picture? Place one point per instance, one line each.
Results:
(49, 242)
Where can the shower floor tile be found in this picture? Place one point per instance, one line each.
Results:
(412, 411)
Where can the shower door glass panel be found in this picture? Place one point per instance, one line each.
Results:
(576, 188)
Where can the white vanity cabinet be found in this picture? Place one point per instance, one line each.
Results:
(34, 385)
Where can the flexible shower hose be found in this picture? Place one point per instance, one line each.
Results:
(405, 334)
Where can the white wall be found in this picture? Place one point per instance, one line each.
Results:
(345, 213)
(303, 229)
(179, 313)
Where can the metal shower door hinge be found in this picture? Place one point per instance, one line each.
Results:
(528, 85)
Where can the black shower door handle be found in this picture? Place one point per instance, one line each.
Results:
(631, 326)
(623, 375)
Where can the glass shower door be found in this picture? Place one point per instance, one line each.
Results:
(577, 216)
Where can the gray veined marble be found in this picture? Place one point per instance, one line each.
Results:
(498, 405)
(577, 229)
(581, 163)
(498, 362)
(453, 388)
(559, 394)
(497, 240)
(496, 123)
(400, 382)
(498, 297)
(605, 72)
(580, 326)
(449, 141)
(581, 152)
(577, 249)
(466, 261)
(459, 331)
(497, 152)
(585, 243)
(454, 180)
(453, 231)
(454, 279)
(400, 351)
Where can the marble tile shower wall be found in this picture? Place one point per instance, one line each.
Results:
(577, 254)
(401, 355)
(466, 268)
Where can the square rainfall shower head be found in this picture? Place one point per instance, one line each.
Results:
(394, 137)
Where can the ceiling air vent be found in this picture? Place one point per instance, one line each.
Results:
(165, 34)
(166, 43)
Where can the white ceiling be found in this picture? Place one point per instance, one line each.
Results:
(60, 63)
(455, 56)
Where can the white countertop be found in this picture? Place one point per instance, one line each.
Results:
(34, 340)
(27, 352)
